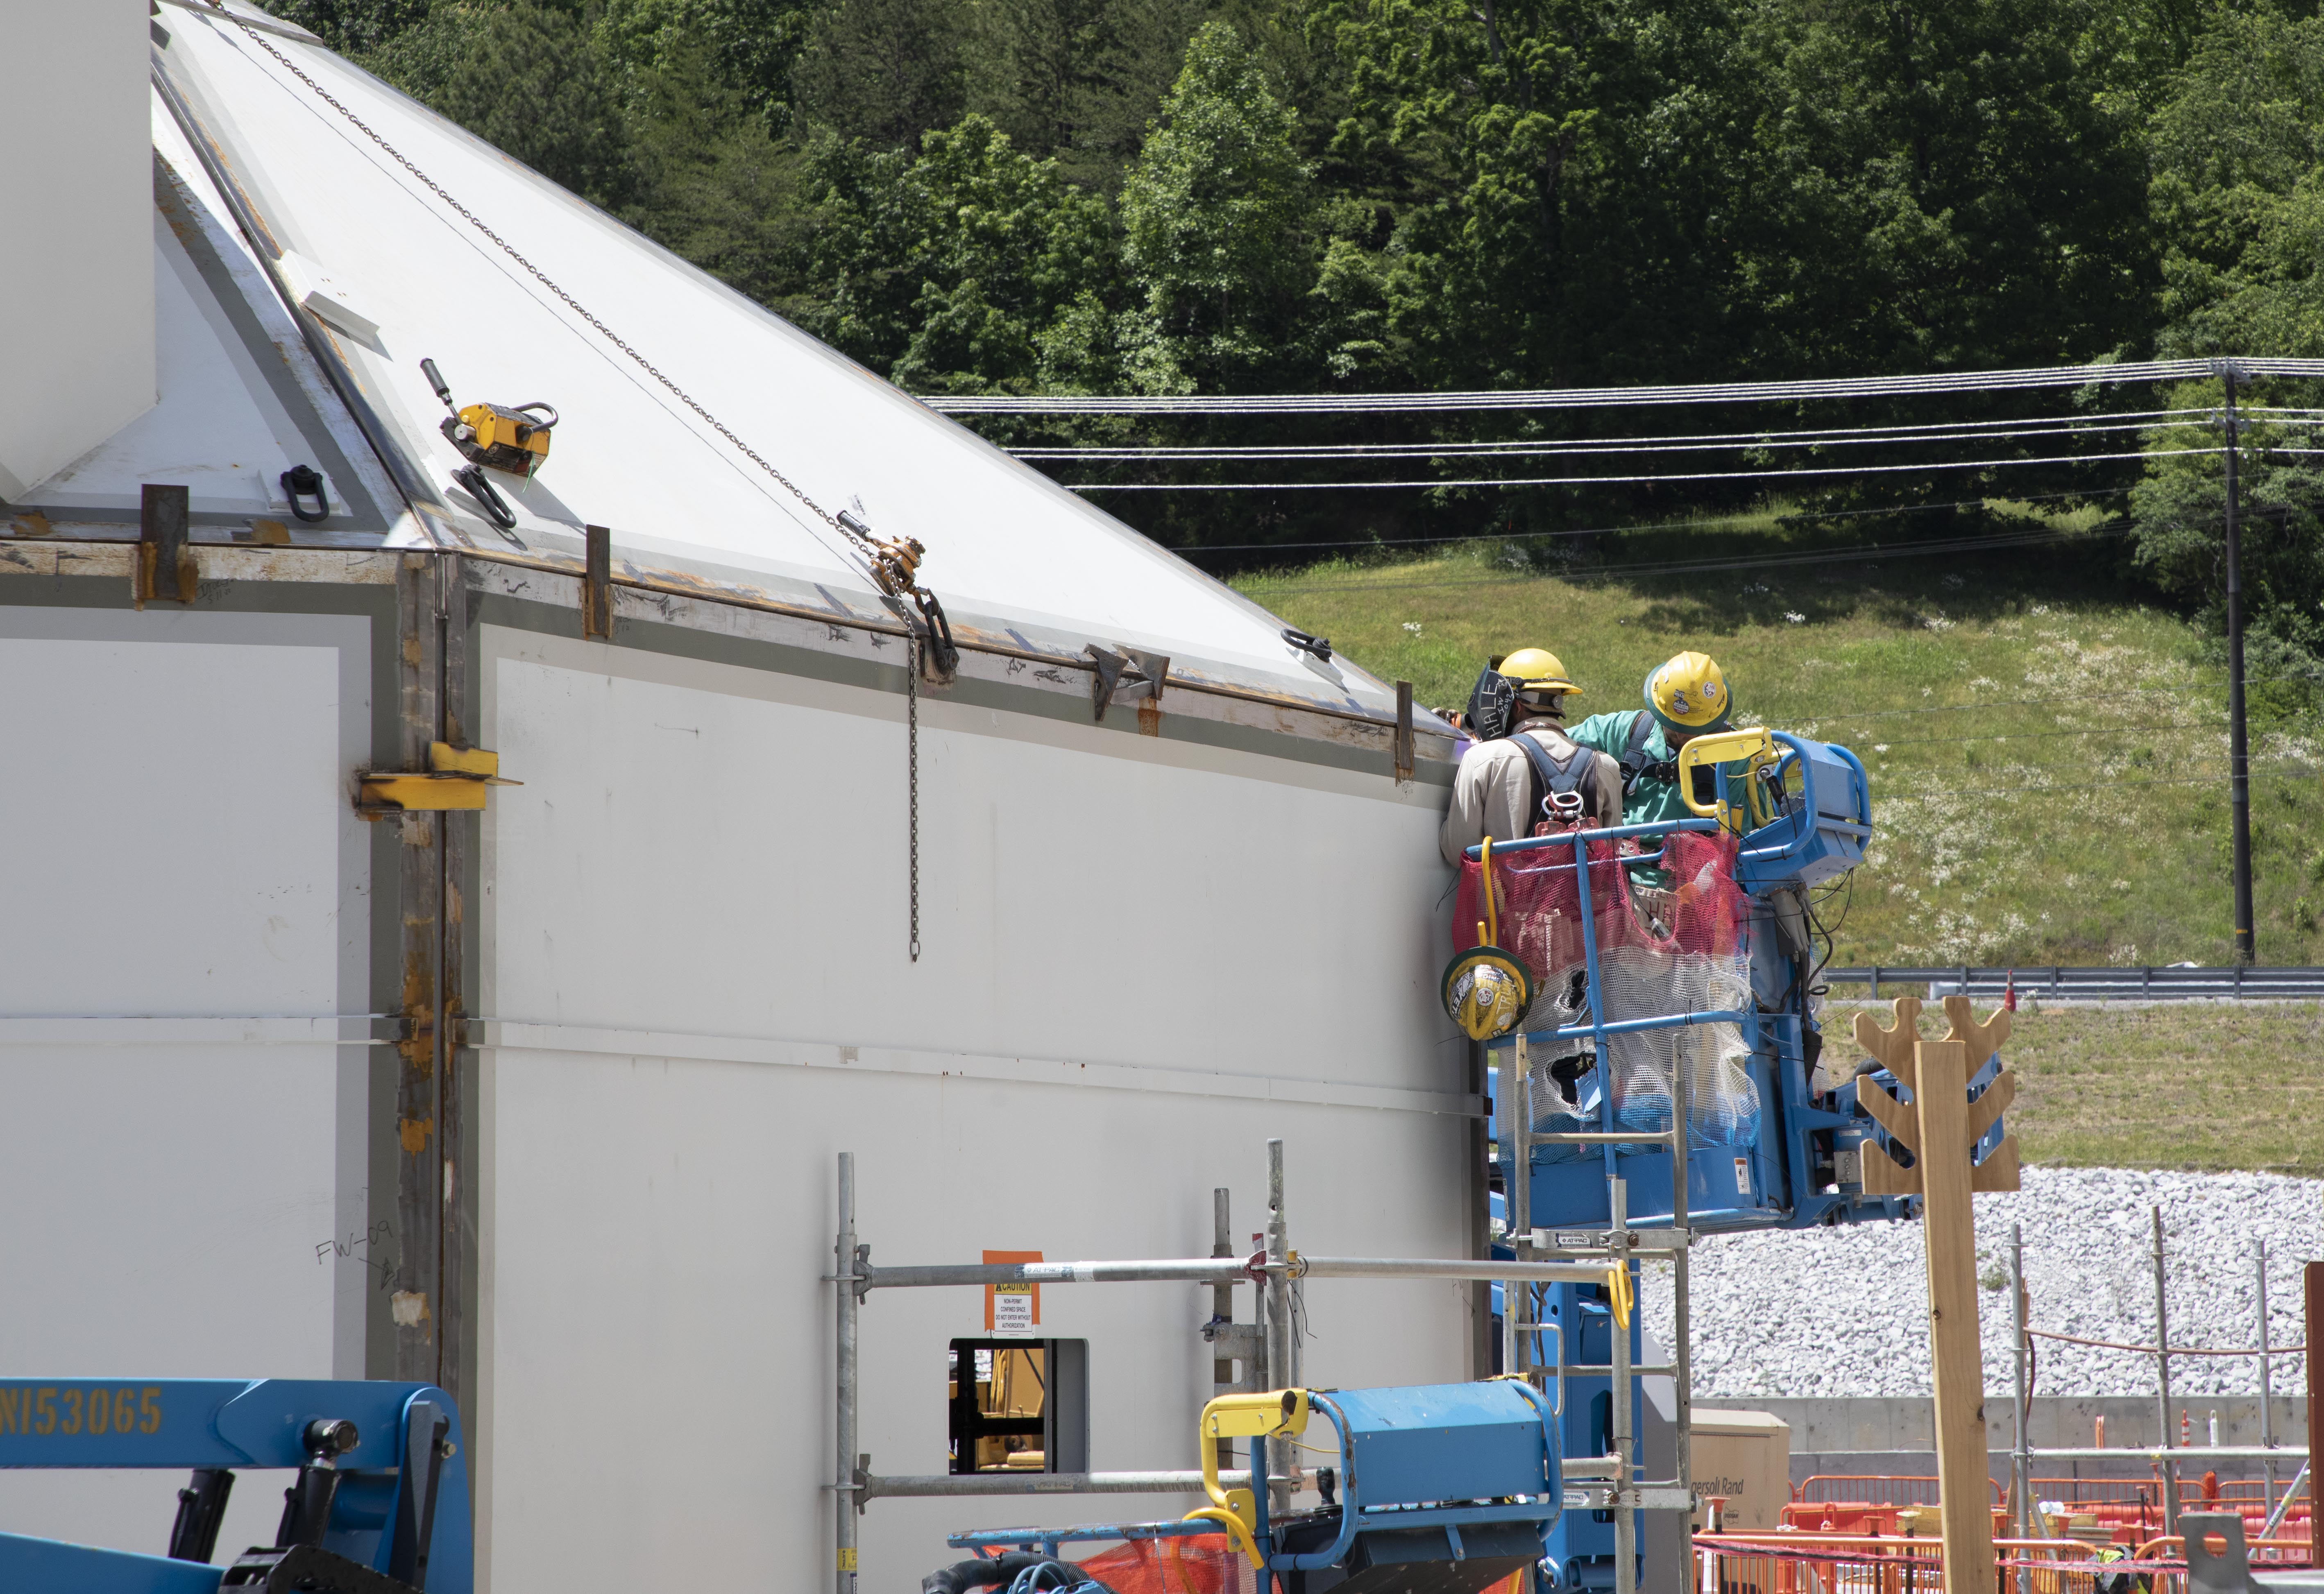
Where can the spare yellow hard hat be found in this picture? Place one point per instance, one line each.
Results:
(1486, 991)
(1689, 693)
(1536, 669)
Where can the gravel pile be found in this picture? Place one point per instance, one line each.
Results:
(1842, 1311)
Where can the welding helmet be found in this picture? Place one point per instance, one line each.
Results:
(1688, 695)
(1493, 701)
(1486, 991)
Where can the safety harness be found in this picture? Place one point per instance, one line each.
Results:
(1557, 786)
(1636, 764)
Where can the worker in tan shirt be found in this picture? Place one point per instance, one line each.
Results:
(1523, 769)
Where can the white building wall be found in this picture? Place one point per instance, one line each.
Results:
(1142, 959)
(184, 893)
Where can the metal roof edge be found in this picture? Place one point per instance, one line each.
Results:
(424, 509)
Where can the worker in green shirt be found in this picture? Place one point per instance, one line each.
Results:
(1686, 697)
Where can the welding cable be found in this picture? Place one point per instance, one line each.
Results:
(1731, 392)
(1773, 474)
(1935, 432)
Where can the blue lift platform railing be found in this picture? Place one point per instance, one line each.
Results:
(1802, 815)
(380, 1504)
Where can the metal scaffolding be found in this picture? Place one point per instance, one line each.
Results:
(1585, 1258)
(1622, 1492)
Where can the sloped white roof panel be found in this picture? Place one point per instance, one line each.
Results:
(241, 398)
(402, 276)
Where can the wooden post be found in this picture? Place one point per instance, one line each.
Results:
(1955, 1361)
(1942, 1127)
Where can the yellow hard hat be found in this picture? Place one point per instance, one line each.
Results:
(1689, 693)
(1536, 669)
(1486, 991)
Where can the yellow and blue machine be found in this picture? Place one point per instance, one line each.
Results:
(1436, 1489)
(380, 1504)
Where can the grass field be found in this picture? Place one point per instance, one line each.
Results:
(2048, 750)
(2208, 1086)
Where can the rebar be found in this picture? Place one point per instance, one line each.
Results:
(2021, 1472)
(2162, 1384)
(2266, 1383)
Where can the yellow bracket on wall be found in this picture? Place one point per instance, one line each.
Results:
(1753, 746)
(455, 779)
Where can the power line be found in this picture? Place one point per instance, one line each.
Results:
(1729, 392)
(1699, 441)
(1758, 475)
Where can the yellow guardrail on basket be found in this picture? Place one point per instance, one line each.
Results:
(1753, 746)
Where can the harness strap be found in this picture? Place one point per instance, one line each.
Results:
(1551, 778)
(1636, 765)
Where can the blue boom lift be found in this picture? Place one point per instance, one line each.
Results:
(1802, 812)
(379, 1504)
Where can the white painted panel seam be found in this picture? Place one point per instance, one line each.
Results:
(200, 1031)
(515, 1034)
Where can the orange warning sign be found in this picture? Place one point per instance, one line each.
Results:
(1011, 1308)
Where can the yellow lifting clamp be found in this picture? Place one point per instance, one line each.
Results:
(1277, 1413)
(456, 778)
(1753, 745)
(515, 440)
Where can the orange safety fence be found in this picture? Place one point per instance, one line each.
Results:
(1876, 1488)
(1200, 1563)
(1876, 1564)
(1858, 1517)
(1816, 1563)
(2169, 1553)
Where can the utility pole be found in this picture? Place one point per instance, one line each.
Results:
(2238, 740)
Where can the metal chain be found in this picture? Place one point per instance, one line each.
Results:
(575, 305)
(912, 764)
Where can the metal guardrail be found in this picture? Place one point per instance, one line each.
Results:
(2174, 983)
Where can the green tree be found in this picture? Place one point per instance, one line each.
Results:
(948, 271)
(2238, 190)
(1215, 226)
(884, 72)
(744, 50)
(710, 183)
(1937, 186)
(2238, 196)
